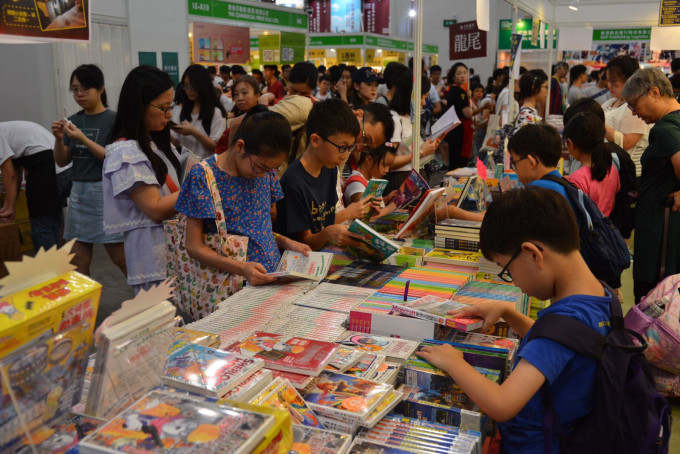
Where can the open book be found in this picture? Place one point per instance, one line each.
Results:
(295, 265)
(375, 247)
(446, 123)
(420, 212)
(412, 188)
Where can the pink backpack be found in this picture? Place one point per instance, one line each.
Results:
(656, 318)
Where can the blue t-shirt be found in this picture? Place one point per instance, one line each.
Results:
(571, 377)
(247, 208)
(551, 184)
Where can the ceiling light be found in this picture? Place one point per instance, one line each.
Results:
(574, 5)
(412, 12)
(332, 50)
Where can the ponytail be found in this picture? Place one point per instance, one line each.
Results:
(586, 131)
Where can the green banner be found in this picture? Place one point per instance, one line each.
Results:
(387, 43)
(270, 49)
(292, 47)
(623, 34)
(345, 40)
(247, 13)
(430, 49)
(524, 28)
(171, 65)
(254, 43)
(148, 58)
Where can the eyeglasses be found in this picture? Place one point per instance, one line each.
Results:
(504, 275)
(342, 149)
(513, 164)
(78, 90)
(188, 88)
(165, 110)
(257, 168)
(632, 104)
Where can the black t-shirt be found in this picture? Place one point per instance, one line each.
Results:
(308, 202)
(457, 98)
(97, 128)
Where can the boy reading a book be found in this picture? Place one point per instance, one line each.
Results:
(307, 211)
(532, 234)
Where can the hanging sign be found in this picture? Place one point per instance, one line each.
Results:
(270, 49)
(466, 41)
(170, 62)
(292, 47)
(374, 58)
(320, 20)
(350, 56)
(317, 54)
(377, 17)
(42, 21)
(669, 13)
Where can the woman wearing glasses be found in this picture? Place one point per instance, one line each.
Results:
(198, 123)
(246, 179)
(622, 127)
(81, 140)
(141, 174)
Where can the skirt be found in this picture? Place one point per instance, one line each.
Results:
(85, 215)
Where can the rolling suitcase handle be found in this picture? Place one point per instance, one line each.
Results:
(668, 204)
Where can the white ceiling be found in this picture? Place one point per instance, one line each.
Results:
(600, 2)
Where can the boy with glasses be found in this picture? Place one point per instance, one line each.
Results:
(533, 235)
(307, 212)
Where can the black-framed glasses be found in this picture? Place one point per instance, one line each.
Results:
(504, 275)
(165, 110)
(513, 163)
(342, 149)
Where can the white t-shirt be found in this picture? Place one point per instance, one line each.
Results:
(621, 118)
(575, 93)
(433, 95)
(217, 127)
(382, 90)
(403, 133)
(217, 81)
(227, 103)
(19, 139)
(598, 94)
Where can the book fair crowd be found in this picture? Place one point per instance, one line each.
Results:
(334, 301)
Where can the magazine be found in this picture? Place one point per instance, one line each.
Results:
(295, 265)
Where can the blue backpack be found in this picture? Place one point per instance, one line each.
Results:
(630, 415)
(602, 246)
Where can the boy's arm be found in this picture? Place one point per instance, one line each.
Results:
(500, 402)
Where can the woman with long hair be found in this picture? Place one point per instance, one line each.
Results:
(198, 123)
(142, 173)
(460, 138)
(533, 89)
(81, 139)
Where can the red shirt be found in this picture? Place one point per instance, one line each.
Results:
(277, 89)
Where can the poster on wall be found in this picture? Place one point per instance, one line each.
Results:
(466, 41)
(377, 17)
(220, 44)
(320, 20)
(44, 20)
(346, 16)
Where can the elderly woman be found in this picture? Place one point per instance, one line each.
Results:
(650, 96)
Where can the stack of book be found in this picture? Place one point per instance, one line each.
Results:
(308, 322)
(457, 234)
(422, 281)
(364, 274)
(282, 395)
(483, 340)
(536, 305)
(479, 352)
(395, 350)
(307, 440)
(481, 291)
(436, 310)
(415, 435)
(334, 297)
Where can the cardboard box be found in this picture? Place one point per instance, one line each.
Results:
(51, 306)
(10, 247)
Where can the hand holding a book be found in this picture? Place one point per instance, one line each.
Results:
(355, 210)
(340, 236)
(430, 146)
(490, 311)
(256, 274)
(442, 356)
(287, 244)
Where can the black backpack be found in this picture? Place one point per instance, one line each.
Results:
(630, 414)
(602, 246)
(623, 214)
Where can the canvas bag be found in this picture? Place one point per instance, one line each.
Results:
(199, 288)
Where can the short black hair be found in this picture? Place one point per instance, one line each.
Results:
(285, 67)
(331, 116)
(303, 72)
(225, 69)
(476, 86)
(264, 133)
(322, 68)
(575, 72)
(375, 113)
(211, 69)
(435, 68)
(675, 65)
(378, 154)
(526, 215)
(238, 69)
(541, 141)
(258, 72)
(392, 73)
(335, 73)
(583, 105)
(90, 76)
(325, 78)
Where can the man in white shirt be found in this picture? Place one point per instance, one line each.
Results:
(26, 147)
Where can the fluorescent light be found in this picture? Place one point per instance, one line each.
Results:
(412, 12)
(332, 50)
(379, 50)
(573, 8)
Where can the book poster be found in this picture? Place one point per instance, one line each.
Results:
(320, 20)
(45, 20)
(346, 16)
(466, 41)
(377, 17)
(220, 44)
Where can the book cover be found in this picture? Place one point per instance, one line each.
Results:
(250, 387)
(309, 440)
(61, 437)
(376, 247)
(295, 265)
(460, 223)
(395, 349)
(386, 406)
(344, 358)
(290, 354)
(363, 446)
(299, 381)
(285, 397)
(456, 243)
(374, 190)
(411, 189)
(388, 372)
(504, 344)
(173, 422)
(436, 309)
(486, 357)
(368, 367)
(364, 274)
(445, 124)
(431, 406)
(420, 212)
(344, 397)
(208, 371)
(453, 257)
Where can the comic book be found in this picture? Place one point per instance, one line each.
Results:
(207, 371)
(299, 381)
(411, 189)
(367, 367)
(397, 350)
(345, 397)
(374, 189)
(285, 397)
(308, 440)
(167, 422)
(286, 353)
(250, 387)
(61, 437)
(345, 358)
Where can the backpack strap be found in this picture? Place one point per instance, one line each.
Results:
(353, 179)
(581, 196)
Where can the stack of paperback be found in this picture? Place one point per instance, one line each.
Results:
(481, 291)
(478, 353)
(536, 305)
(395, 350)
(423, 281)
(481, 340)
(453, 258)
(207, 371)
(165, 421)
(334, 297)
(250, 387)
(457, 234)
(436, 309)
(416, 435)
(344, 358)
(308, 322)
(308, 440)
(280, 394)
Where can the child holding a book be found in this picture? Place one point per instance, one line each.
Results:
(373, 164)
(307, 211)
(532, 234)
(246, 180)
